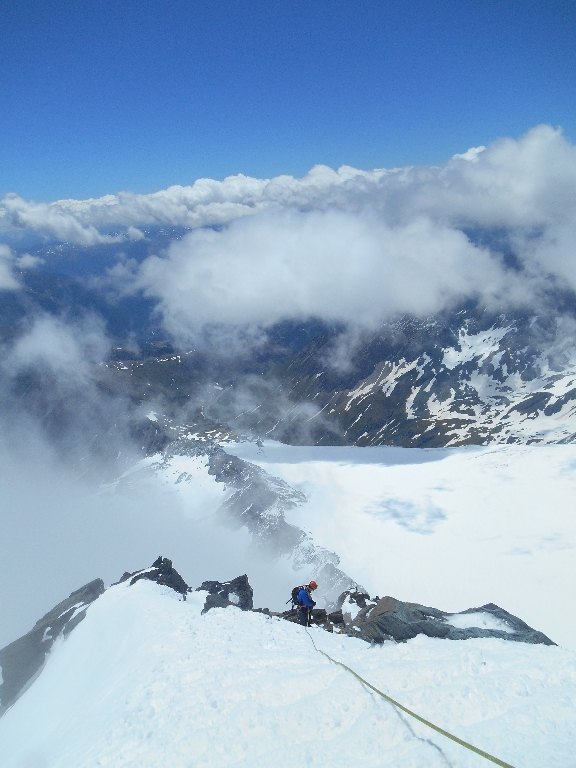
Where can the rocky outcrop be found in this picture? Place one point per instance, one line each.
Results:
(260, 502)
(161, 572)
(237, 592)
(23, 659)
(379, 619)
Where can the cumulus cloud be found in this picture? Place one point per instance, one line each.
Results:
(529, 182)
(551, 254)
(49, 384)
(333, 265)
(346, 245)
(27, 261)
(51, 220)
(65, 350)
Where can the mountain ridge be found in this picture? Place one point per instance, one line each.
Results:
(355, 614)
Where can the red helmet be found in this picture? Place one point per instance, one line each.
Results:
(313, 585)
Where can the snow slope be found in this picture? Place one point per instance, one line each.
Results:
(209, 485)
(185, 475)
(146, 680)
(451, 528)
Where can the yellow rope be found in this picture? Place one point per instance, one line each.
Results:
(462, 743)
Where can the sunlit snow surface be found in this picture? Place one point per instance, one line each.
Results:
(450, 528)
(188, 475)
(146, 681)
(480, 620)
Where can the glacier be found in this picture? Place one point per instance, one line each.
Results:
(446, 527)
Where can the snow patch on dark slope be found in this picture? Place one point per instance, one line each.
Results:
(379, 619)
(455, 378)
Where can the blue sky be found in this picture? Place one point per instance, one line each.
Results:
(138, 95)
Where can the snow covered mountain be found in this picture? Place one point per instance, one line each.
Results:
(458, 378)
(407, 464)
(147, 679)
(22, 660)
(363, 377)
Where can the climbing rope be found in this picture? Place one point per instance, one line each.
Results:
(462, 743)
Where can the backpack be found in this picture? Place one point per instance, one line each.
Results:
(294, 597)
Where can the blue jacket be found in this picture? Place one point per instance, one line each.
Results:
(305, 599)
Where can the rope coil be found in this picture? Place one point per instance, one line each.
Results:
(462, 743)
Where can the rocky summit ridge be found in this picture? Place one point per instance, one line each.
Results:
(355, 613)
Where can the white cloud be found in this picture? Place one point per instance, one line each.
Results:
(529, 182)
(52, 220)
(54, 346)
(27, 261)
(344, 245)
(7, 280)
(333, 265)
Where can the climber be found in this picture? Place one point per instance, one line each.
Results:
(305, 603)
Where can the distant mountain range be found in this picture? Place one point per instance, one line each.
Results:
(452, 379)
(465, 375)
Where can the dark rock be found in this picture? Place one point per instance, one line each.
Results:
(237, 592)
(336, 617)
(431, 628)
(389, 618)
(385, 626)
(215, 601)
(290, 615)
(318, 618)
(163, 573)
(125, 576)
(23, 659)
(352, 596)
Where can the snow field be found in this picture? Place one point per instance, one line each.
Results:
(146, 680)
(451, 528)
(185, 475)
